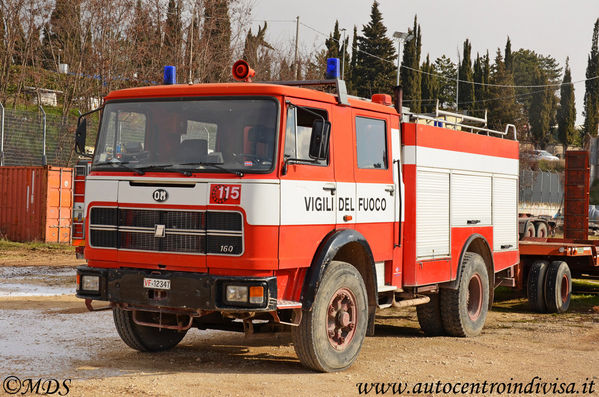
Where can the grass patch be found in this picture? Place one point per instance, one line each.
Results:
(36, 246)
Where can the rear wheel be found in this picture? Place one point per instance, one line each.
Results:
(558, 287)
(464, 310)
(144, 339)
(530, 230)
(536, 286)
(541, 230)
(429, 317)
(329, 337)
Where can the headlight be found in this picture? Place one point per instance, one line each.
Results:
(237, 293)
(90, 283)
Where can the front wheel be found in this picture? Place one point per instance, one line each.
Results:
(464, 310)
(142, 338)
(329, 337)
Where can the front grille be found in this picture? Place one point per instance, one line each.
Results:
(200, 232)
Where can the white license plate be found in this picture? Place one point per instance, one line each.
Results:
(157, 283)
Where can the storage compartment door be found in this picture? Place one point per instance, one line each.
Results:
(432, 214)
(505, 214)
(470, 200)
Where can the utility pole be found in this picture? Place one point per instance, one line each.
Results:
(343, 56)
(297, 23)
(193, 15)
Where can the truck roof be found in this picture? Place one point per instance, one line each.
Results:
(227, 89)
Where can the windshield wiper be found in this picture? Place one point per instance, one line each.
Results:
(123, 164)
(162, 167)
(215, 165)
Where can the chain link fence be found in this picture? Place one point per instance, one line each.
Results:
(541, 187)
(23, 139)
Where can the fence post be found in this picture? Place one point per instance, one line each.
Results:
(44, 159)
(2, 136)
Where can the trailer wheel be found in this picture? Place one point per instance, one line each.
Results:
(464, 310)
(530, 230)
(429, 317)
(535, 286)
(329, 337)
(558, 287)
(541, 230)
(144, 339)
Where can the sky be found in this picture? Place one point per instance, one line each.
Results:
(558, 28)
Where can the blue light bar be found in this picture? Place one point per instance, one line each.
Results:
(170, 75)
(333, 69)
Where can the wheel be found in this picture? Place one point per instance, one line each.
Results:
(144, 339)
(329, 337)
(530, 230)
(535, 286)
(464, 310)
(429, 317)
(541, 230)
(558, 287)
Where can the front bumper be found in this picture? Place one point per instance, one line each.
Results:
(195, 291)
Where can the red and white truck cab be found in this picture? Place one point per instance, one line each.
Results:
(254, 206)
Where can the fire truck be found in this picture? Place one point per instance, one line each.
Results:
(261, 206)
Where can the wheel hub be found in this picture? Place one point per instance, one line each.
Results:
(475, 297)
(341, 318)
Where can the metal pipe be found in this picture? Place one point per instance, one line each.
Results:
(508, 127)
(44, 159)
(439, 112)
(420, 300)
(2, 136)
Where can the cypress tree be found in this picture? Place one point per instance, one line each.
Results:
(172, 33)
(591, 96)
(466, 92)
(540, 111)
(566, 115)
(375, 67)
(332, 43)
(142, 33)
(479, 84)
(255, 52)
(352, 75)
(501, 103)
(216, 34)
(410, 75)
(509, 64)
(430, 88)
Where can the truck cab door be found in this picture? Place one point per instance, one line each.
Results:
(308, 188)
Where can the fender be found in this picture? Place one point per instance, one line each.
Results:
(327, 250)
(489, 256)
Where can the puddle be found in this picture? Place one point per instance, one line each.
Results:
(37, 281)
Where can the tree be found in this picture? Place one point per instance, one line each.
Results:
(256, 52)
(216, 36)
(466, 92)
(332, 43)
(566, 114)
(143, 40)
(173, 33)
(591, 95)
(374, 68)
(481, 80)
(501, 103)
(430, 86)
(355, 54)
(410, 71)
(540, 111)
(446, 70)
(508, 55)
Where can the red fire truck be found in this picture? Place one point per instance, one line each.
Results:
(250, 206)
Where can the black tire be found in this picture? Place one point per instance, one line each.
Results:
(464, 311)
(541, 230)
(312, 343)
(558, 287)
(144, 339)
(535, 286)
(429, 317)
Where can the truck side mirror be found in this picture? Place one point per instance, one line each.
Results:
(319, 140)
(80, 136)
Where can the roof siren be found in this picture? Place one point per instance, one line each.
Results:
(242, 71)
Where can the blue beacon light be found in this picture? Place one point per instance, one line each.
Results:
(170, 75)
(333, 69)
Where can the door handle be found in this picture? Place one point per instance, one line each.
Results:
(330, 187)
(390, 189)
(473, 221)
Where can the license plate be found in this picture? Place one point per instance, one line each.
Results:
(156, 283)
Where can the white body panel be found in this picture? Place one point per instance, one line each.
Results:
(432, 213)
(505, 214)
(470, 200)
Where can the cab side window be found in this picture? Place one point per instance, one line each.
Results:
(371, 143)
(299, 132)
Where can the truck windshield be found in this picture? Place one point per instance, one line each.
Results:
(198, 135)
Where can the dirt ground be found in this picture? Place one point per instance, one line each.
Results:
(55, 337)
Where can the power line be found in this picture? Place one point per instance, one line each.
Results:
(451, 79)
